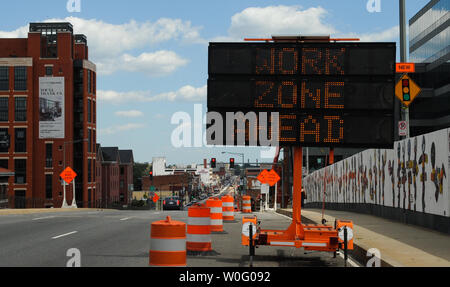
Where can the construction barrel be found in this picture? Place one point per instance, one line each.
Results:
(198, 229)
(215, 206)
(227, 208)
(246, 204)
(168, 243)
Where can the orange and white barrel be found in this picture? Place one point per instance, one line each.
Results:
(215, 206)
(198, 229)
(227, 208)
(168, 243)
(246, 204)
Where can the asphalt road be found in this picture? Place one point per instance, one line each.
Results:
(122, 239)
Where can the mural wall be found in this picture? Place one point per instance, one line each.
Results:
(413, 176)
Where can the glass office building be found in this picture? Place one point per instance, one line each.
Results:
(429, 33)
(429, 47)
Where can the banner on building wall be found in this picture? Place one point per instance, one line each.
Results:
(51, 107)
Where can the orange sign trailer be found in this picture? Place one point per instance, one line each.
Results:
(317, 237)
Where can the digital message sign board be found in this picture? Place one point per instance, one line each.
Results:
(326, 94)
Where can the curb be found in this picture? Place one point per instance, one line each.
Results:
(359, 253)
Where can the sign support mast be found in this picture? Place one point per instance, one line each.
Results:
(403, 56)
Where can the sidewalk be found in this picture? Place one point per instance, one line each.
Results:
(400, 245)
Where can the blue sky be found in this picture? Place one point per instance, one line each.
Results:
(151, 56)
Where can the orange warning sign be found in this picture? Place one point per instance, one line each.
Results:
(406, 90)
(272, 178)
(68, 175)
(155, 198)
(262, 176)
(405, 67)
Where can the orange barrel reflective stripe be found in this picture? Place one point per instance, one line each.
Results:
(168, 243)
(198, 229)
(246, 204)
(228, 208)
(215, 206)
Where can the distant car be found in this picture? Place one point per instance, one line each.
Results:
(172, 203)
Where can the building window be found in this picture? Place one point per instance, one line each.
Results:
(89, 111)
(94, 112)
(49, 155)
(122, 170)
(94, 141)
(4, 141)
(20, 78)
(20, 140)
(4, 163)
(89, 170)
(89, 140)
(4, 112)
(48, 186)
(20, 169)
(49, 71)
(20, 110)
(89, 81)
(4, 78)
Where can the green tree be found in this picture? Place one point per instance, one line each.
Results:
(140, 170)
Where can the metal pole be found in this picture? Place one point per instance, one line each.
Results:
(64, 204)
(403, 54)
(74, 201)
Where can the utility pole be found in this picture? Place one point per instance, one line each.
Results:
(403, 56)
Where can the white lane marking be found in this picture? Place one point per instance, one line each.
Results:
(126, 218)
(40, 218)
(62, 235)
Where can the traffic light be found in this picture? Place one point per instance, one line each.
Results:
(231, 162)
(213, 163)
(151, 175)
(406, 90)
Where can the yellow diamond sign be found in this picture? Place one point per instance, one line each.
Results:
(406, 90)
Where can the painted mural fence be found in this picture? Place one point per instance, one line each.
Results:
(413, 177)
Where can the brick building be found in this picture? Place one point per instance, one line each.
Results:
(126, 176)
(110, 175)
(47, 115)
(174, 183)
(115, 175)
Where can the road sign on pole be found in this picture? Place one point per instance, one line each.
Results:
(405, 68)
(406, 90)
(262, 176)
(272, 178)
(68, 175)
(402, 128)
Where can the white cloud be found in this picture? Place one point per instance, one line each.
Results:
(129, 114)
(264, 22)
(120, 128)
(20, 32)
(187, 94)
(160, 63)
(111, 45)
